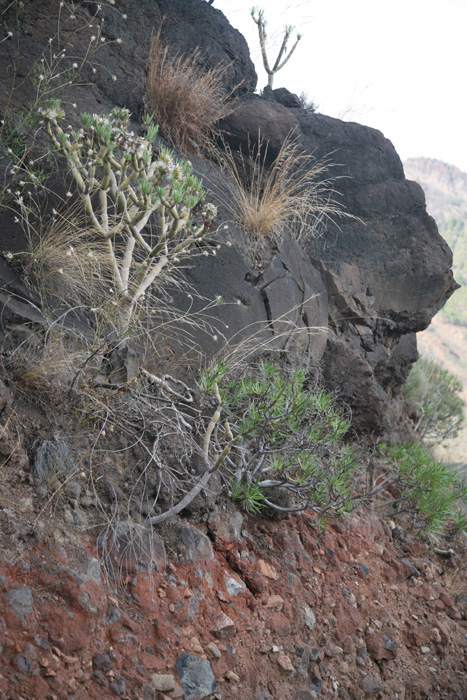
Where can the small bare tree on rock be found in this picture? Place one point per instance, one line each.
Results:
(282, 57)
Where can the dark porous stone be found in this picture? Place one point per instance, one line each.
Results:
(23, 663)
(371, 685)
(118, 686)
(196, 677)
(304, 662)
(113, 615)
(149, 693)
(287, 98)
(98, 675)
(101, 661)
(193, 606)
(315, 684)
(21, 602)
(193, 545)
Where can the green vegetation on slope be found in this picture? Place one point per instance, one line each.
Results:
(454, 232)
(434, 393)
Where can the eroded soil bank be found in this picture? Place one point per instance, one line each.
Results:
(231, 609)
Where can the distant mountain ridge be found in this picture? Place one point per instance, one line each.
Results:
(445, 340)
(438, 175)
(445, 189)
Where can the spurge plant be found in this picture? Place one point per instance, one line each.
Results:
(122, 183)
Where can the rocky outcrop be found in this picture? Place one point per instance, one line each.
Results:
(118, 76)
(369, 283)
(227, 607)
(386, 271)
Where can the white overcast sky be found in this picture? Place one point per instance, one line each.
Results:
(398, 66)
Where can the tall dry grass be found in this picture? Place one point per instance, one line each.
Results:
(186, 100)
(296, 190)
(63, 262)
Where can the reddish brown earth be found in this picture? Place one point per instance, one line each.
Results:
(285, 612)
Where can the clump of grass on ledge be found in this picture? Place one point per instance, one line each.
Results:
(62, 263)
(186, 101)
(295, 190)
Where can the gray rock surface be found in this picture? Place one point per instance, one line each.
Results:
(372, 282)
(192, 544)
(196, 677)
(132, 547)
(21, 602)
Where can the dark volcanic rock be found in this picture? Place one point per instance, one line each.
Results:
(132, 547)
(21, 602)
(188, 24)
(387, 271)
(296, 299)
(192, 544)
(402, 261)
(196, 677)
(254, 116)
(373, 281)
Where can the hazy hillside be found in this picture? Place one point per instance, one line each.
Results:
(445, 340)
(446, 194)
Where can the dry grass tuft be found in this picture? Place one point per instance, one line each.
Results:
(65, 264)
(43, 372)
(294, 191)
(187, 101)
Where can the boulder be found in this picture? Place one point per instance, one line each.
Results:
(131, 547)
(196, 677)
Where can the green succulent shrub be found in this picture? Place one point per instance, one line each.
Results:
(281, 436)
(425, 490)
(123, 184)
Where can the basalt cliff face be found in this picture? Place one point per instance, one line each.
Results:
(369, 283)
(232, 606)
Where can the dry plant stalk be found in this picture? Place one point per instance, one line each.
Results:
(186, 101)
(295, 190)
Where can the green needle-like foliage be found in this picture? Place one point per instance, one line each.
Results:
(288, 437)
(435, 394)
(426, 490)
